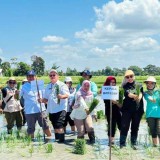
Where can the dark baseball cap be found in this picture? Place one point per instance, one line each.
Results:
(31, 73)
(87, 72)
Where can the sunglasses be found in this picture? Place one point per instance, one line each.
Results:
(12, 82)
(150, 83)
(52, 75)
(131, 76)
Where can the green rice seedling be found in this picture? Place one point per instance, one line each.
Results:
(93, 104)
(138, 89)
(121, 95)
(18, 88)
(100, 114)
(31, 150)
(48, 147)
(80, 146)
(27, 140)
(57, 92)
(150, 152)
(38, 136)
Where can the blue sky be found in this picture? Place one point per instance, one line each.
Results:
(81, 33)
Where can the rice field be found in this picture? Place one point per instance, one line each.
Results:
(99, 80)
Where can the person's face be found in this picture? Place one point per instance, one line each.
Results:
(130, 78)
(85, 76)
(11, 83)
(113, 82)
(86, 87)
(30, 78)
(53, 77)
(69, 84)
(150, 85)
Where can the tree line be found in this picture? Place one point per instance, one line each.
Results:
(15, 68)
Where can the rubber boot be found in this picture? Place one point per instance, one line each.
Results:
(122, 141)
(91, 136)
(134, 142)
(61, 137)
(9, 131)
(56, 136)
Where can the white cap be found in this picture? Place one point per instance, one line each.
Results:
(53, 70)
(68, 79)
(150, 79)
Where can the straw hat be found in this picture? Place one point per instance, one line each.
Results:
(150, 79)
(129, 72)
(12, 79)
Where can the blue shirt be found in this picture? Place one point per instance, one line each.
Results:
(31, 105)
(94, 88)
(153, 108)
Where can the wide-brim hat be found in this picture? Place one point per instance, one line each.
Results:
(129, 72)
(87, 72)
(12, 79)
(150, 79)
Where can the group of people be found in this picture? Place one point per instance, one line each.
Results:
(64, 104)
(56, 101)
(128, 115)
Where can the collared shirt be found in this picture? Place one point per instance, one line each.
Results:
(53, 105)
(31, 104)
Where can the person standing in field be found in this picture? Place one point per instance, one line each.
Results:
(132, 109)
(80, 114)
(34, 111)
(152, 96)
(56, 96)
(71, 100)
(86, 75)
(12, 109)
(116, 114)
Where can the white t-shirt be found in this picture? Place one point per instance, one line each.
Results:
(53, 105)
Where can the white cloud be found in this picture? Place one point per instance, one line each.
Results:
(55, 39)
(123, 21)
(124, 34)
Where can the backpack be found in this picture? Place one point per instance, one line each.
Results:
(4, 104)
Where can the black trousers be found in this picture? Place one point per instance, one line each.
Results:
(116, 121)
(133, 119)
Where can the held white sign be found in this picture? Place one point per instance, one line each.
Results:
(110, 92)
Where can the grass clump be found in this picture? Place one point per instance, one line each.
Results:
(48, 148)
(80, 146)
(100, 114)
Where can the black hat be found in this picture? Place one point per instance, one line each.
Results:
(87, 72)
